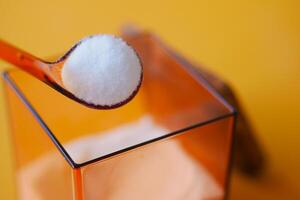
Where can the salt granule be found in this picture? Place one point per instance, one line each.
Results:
(102, 70)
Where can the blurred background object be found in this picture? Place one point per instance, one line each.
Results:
(255, 46)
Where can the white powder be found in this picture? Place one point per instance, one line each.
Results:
(102, 70)
(161, 171)
(100, 144)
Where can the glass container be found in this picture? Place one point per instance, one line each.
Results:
(172, 141)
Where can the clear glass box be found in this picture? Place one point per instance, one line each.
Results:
(172, 141)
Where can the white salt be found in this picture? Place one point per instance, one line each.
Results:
(102, 70)
(161, 171)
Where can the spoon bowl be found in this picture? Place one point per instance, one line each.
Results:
(51, 72)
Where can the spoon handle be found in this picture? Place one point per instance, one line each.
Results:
(22, 59)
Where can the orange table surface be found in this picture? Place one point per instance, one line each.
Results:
(254, 45)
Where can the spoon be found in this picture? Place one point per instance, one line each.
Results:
(51, 72)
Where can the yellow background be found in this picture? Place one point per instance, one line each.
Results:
(255, 45)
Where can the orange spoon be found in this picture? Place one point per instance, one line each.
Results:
(49, 72)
